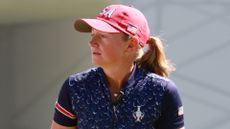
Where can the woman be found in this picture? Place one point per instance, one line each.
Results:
(129, 89)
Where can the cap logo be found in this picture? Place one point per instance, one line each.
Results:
(108, 12)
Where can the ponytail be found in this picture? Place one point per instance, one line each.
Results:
(154, 58)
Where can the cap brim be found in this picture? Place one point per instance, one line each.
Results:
(86, 25)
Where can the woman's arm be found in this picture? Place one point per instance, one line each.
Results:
(172, 116)
(64, 115)
(58, 126)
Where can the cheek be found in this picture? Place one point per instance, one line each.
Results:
(113, 52)
(114, 48)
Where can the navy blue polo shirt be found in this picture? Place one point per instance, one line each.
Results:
(148, 101)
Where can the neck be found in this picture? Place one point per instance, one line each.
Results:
(118, 75)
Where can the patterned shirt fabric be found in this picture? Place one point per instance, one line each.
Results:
(148, 101)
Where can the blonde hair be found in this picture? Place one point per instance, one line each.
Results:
(154, 59)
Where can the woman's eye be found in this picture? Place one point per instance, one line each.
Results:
(92, 35)
(103, 36)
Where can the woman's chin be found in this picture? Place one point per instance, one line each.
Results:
(96, 62)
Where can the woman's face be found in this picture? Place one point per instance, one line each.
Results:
(107, 49)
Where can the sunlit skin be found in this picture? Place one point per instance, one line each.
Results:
(107, 49)
(55, 125)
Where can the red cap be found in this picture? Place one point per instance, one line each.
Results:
(118, 18)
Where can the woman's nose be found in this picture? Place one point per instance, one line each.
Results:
(93, 42)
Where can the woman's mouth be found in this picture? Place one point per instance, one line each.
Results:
(96, 53)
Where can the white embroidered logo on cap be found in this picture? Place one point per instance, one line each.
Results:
(108, 12)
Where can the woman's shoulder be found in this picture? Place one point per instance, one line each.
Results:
(85, 75)
(166, 83)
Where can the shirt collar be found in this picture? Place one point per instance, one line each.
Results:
(136, 74)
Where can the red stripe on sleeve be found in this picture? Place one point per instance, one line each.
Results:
(64, 111)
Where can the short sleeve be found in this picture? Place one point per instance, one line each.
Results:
(64, 114)
(172, 116)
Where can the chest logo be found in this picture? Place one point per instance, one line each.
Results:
(138, 115)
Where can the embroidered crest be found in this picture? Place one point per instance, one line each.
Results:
(138, 115)
(108, 12)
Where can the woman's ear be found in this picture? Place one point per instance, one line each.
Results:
(133, 43)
